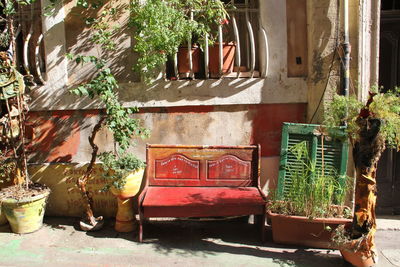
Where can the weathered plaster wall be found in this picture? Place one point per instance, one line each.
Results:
(324, 67)
(217, 112)
(60, 142)
(275, 88)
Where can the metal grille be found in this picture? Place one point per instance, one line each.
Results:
(29, 48)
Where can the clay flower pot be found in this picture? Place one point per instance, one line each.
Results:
(228, 56)
(125, 218)
(183, 61)
(300, 230)
(358, 258)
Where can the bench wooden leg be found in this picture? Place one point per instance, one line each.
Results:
(259, 222)
(262, 225)
(141, 221)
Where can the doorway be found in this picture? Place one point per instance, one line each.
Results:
(388, 176)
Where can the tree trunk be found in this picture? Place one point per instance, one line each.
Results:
(367, 151)
(82, 181)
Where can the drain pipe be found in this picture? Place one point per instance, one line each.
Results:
(346, 49)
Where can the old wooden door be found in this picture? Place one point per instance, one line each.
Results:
(388, 176)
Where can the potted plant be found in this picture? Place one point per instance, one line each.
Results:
(162, 27)
(312, 204)
(23, 203)
(209, 17)
(118, 164)
(124, 175)
(372, 126)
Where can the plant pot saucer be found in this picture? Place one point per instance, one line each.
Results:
(87, 227)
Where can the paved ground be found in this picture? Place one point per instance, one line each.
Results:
(184, 243)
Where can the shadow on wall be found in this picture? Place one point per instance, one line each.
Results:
(78, 42)
(54, 135)
(322, 35)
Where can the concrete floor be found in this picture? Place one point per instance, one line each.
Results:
(170, 243)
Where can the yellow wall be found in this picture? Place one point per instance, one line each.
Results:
(65, 198)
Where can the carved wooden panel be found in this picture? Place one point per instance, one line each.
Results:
(229, 167)
(177, 166)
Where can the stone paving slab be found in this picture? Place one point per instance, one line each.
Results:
(388, 222)
(167, 243)
(392, 255)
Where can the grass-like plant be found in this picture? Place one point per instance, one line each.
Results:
(313, 192)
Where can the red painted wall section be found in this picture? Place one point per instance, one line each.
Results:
(55, 136)
(267, 124)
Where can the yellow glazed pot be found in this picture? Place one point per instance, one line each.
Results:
(25, 215)
(125, 218)
(132, 185)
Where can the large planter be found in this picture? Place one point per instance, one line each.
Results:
(228, 51)
(183, 61)
(25, 215)
(299, 230)
(125, 218)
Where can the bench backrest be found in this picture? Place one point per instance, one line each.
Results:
(181, 165)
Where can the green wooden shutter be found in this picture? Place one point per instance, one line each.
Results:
(335, 151)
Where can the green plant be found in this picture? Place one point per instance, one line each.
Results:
(313, 191)
(160, 27)
(208, 16)
(372, 126)
(116, 168)
(385, 107)
(115, 117)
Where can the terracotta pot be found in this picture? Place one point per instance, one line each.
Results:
(357, 258)
(125, 220)
(300, 230)
(228, 52)
(183, 61)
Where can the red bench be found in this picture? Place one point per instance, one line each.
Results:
(202, 181)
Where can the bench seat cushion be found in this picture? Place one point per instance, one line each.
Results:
(202, 201)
